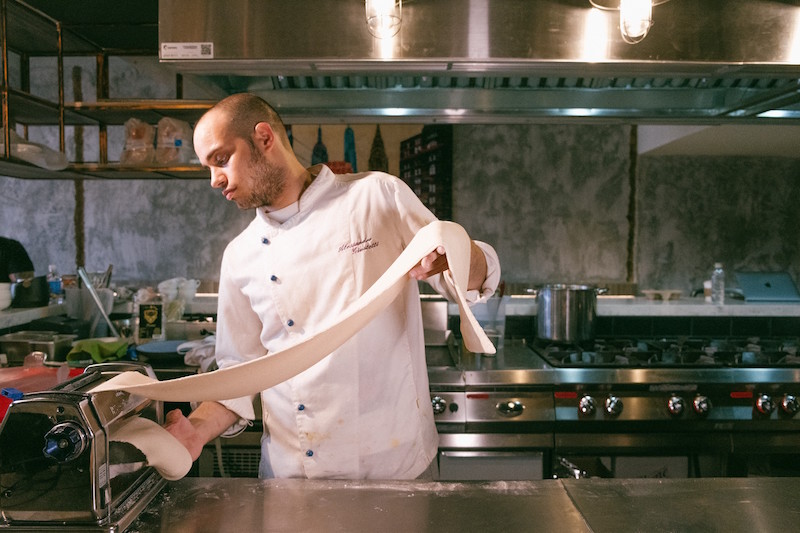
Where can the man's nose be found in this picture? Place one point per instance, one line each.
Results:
(217, 178)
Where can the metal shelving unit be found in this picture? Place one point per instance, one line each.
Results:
(26, 32)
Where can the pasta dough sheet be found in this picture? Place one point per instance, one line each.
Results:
(163, 451)
(267, 371)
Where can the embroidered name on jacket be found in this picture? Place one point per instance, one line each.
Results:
(360, 246)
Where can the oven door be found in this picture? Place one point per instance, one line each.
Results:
(490, 465)
(494, 456)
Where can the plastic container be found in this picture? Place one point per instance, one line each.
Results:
(718, 285)
(174, 142)
(139, 143)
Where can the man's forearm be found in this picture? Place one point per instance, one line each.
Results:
(211, 419)
(477, 267)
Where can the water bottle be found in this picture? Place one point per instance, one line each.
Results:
(718, 285)
(54, 284)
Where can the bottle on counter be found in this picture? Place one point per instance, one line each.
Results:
(718, 285)
(54, 283)
(150, 320)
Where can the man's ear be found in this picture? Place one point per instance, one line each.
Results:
(263, 135)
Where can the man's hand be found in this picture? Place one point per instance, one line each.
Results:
(182, 429)
(432, 264)
(205, 423)
(436, 263)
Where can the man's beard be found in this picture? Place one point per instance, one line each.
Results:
(266, 180)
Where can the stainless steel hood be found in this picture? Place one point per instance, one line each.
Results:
(474, 61)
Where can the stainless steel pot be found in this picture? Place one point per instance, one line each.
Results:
(567, 313)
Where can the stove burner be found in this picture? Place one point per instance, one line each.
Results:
(674, 352)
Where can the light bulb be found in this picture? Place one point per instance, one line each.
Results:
(384, 17)
(635, 19)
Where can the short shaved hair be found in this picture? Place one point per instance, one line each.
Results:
(243, 111)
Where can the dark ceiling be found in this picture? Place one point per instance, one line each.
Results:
(114, 26)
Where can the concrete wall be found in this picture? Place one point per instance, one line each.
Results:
(553, 199)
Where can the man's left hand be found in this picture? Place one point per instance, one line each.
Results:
(433, 263)
(436, 263)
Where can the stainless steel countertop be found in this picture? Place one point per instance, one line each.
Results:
(246, 505)
(515, 364)
(599, 505)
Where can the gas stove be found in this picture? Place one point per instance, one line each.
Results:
(674, 352)
(680, 378)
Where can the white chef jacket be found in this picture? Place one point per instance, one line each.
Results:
(364, 411)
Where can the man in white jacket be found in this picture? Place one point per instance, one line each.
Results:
(317, 242)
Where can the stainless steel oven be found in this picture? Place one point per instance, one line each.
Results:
(494, 414)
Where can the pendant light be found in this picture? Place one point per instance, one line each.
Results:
(635, 16)
(384, 17)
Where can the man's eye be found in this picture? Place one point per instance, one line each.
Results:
(220, 161)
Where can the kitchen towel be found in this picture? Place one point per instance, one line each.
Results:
(98, 350)
(264, 372)
(350, 148)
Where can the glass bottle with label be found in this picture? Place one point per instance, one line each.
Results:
(150, 321)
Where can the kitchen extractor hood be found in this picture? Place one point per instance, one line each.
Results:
(706, 62)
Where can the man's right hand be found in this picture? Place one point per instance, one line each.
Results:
(182, 429)
(205, 423)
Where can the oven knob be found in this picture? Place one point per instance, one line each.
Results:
(64, 442)
(586, 406)
(439, 405)
(613, 405)
(701, 405)
(764, 404)
(510, 408)
(675, 405)
(790, 404)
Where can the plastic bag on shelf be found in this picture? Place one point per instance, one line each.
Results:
(139, 137)
(34, 153)
(174, 142)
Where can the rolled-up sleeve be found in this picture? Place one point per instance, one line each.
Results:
(492, 280)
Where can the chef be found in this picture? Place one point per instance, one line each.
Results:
(317, 242)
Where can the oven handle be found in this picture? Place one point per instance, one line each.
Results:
(473, 454)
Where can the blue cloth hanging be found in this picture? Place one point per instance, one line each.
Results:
(350, 147)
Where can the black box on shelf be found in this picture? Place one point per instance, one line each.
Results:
(426, 167)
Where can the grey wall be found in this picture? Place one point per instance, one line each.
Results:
(553, 199)
(693, 211)
(39, 214)
(152, 230)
